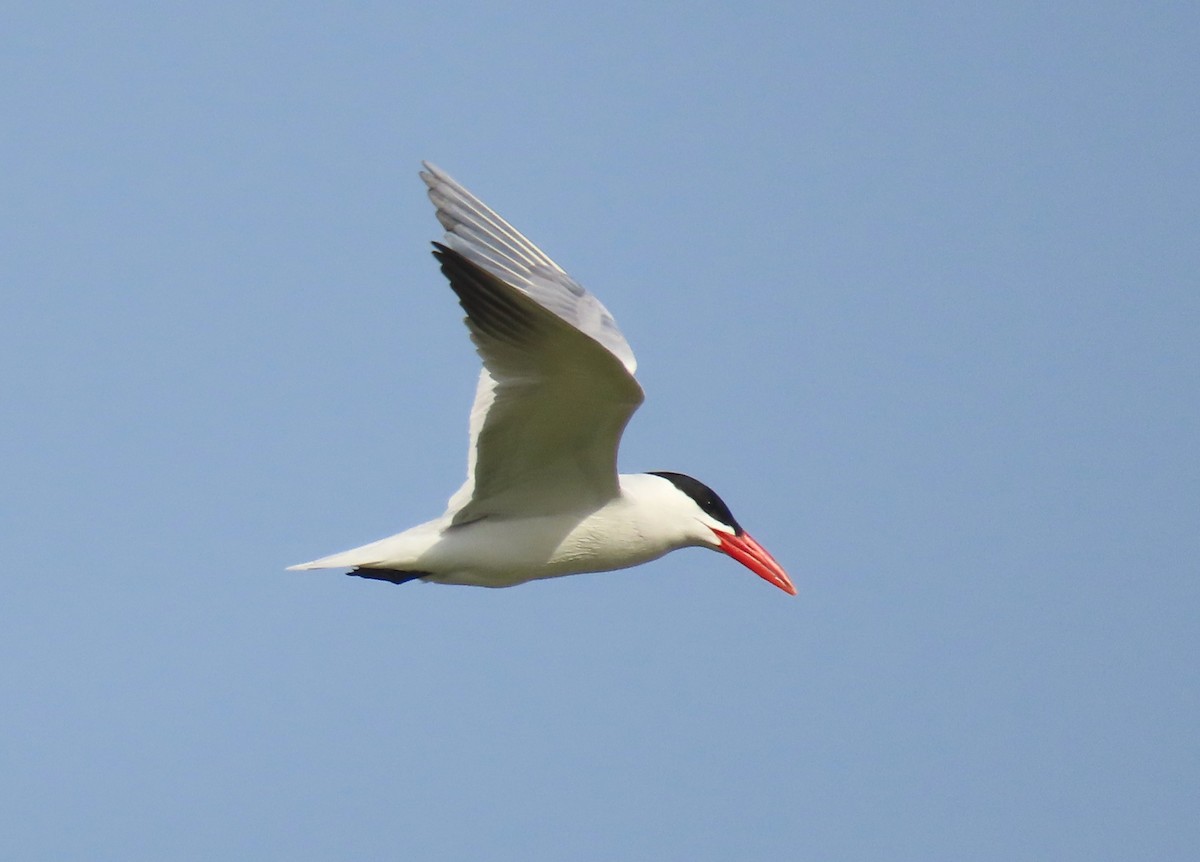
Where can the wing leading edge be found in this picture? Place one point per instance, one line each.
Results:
(557, 385)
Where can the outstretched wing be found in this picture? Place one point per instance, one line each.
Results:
(557, 385)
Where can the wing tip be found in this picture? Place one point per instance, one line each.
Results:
(392, 576)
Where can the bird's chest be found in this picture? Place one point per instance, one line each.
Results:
(499, 552)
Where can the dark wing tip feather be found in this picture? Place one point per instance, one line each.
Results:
(488, 302)
(394, 576)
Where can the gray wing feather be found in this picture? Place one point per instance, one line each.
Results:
(557, 385)
(476, 232)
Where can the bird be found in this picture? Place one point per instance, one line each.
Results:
(543, 497)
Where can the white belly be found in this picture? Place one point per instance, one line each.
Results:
(503, 552)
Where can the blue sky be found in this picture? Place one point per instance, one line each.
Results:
(914, 288)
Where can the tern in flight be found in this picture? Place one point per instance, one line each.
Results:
(543, 497)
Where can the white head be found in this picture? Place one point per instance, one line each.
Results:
(712, 525)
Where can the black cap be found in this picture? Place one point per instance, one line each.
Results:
(704, 497)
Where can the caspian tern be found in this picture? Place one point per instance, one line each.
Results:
(543, 497)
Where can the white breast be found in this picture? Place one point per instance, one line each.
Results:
(638, 526)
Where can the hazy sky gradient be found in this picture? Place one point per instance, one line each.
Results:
(915, 288)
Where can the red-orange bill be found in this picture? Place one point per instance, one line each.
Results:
(754, 557)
